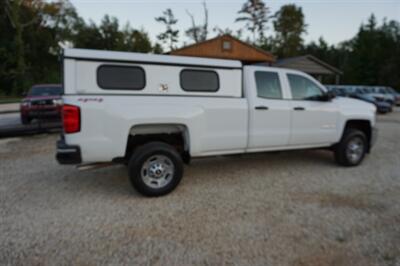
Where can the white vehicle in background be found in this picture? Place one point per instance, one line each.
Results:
(154, 112)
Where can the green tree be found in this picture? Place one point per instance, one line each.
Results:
(289, 27)
(61, 17)
(87, 35)
(109, 36)
(336, 56)
(15, 13)
(157, 48)
(169, 36)
(112, 37)
(7, 53)
(255, 14)
(372, 57)
(389, 72)
(220, 31)
(198, 33)
(32, 31)
(374, 54)
(140, 41)
(30, 34)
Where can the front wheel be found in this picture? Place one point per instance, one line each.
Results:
(350, 151)
(155, 169)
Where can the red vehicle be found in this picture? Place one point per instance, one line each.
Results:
(41, 102)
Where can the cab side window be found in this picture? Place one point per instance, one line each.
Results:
(302, 88)
(268, 85)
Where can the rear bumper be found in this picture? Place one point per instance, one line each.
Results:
(68, 154)
(47, 111)
(42, 114)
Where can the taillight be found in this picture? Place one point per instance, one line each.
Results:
(71, 116)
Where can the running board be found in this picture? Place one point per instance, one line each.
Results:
(91, 166)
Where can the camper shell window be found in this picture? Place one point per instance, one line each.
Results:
(199, 80)
(114, 77)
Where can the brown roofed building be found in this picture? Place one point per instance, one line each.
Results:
(226, 47)
(311, 65)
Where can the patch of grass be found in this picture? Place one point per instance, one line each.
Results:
(4, 100)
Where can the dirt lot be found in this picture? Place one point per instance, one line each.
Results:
(289, 208)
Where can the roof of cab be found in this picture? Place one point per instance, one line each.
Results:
(101, 55)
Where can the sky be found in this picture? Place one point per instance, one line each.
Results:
(334, 20)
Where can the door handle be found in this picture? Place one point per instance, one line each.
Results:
(261, 107)
(299, 108)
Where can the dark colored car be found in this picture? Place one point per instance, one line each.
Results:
(382, 107)
(395, 94)
(41, 102)
(339, 92)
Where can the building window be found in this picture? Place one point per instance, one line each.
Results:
(226, 45)
(114, 77)
(199, 80)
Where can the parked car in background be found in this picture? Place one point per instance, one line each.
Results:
(382, 107)
(361, 93)
(395, 94)
(339, 91)
(381, 94)
(41, 102)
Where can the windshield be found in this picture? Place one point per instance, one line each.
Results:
(391, 90)
(367, 97)
(45, 91)
(382, 91)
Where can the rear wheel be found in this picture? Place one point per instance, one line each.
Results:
(350, 151)
(155, 169)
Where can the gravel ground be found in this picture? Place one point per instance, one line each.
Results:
(288, 208)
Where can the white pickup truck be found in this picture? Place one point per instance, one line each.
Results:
(156, 112)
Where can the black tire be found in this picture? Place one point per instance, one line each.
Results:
(139, 175)
(344, 154)
(25, 120)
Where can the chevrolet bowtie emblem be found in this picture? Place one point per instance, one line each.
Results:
(163, 87)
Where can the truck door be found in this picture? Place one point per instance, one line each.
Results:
(314, 121)
(269, 111)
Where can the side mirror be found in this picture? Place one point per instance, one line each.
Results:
(328, 96)
(331, 95)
